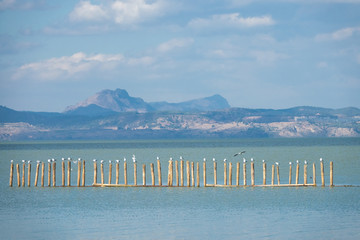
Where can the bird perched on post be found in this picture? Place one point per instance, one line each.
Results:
(240, 153)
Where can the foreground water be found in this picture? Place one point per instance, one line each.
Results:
(186, 213)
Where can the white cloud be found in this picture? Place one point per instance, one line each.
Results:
(122, 12)
(21, 5)
(233, 20)
(338, 35)
(268, 57)
(175, 43)
(70, 66)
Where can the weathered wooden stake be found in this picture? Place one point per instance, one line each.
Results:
(125, 172)
(305, 173)
(237, 174)
(192, 174)
(144, 174)
(290, 172)
(177, 172)
(95, 171)
(83, 174)
(54, 174)
(110, 172)
(18, 174)
(331, 174)
(230, 173)
(252, 174)
(225, 173)
(188, 173)
(159, 171)
(69, 173)
(29, 174)
(78, 172)
(278, 174)
(264, 172)
(49, 173)
(117, 172)
(314, 174)
(135, 173)
(197, 174)
(322, 172)
(272, 174)
(170, 174)
(215, 172)
(63, 173)
(297, 173)
(204, 172)
(181, 172)
(11, 173)
(152, 174)
(23, 175)
(37, 174)
(102, 171)
(42, 174)
(244, 173)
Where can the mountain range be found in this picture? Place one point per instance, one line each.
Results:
(114, 114)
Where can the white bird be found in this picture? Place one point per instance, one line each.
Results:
(297, 161)
(204, 159)
(53, 160)
(181, 158)
(134, 158)
(29, 161)
(252, 159)
(224, 159)
(62, 159)
(305, 162)
(240, 153)
(171, 159)
(244, 160)
(102, 161)
(79, 159)
(94, 160)
(321, 159)
(23, 161)
(263, 160)
(213, 159)
(157, 158)
(110, 161)
(117, 161)
(124, 159)
(290, 163)
(69, 159)
(38, 161)
(49, 160)
(277, 163)
(11, 161)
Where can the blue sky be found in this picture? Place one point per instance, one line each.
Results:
(257, 54)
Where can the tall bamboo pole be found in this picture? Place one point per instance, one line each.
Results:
(152, 174)
(125, 172)
(23, 175)
(144, 174)
(63, 172)
(117, 172)
(102, 171)
(272, 174)
(225, 172)
(290, 172)
(49, 172)
(54, 173)
(322, 172)
(305, 173)
(159, 172)
(177, 172)
(37, 173)
(110, 172)
(181, 172)
(192, 174)
(69, 172)
(204, 170)
(135, 173)
(278, 173)
(188, 173)
(95, 171)
(78, 172)
(314, 174)
(198, 174)
(331, 174)
(29, 174)
(11, 173)
(215, 172)
(244, 172)
(230, 173)
(18, 174)
(297, 173)
(42, 174)
(237, 174)
(252, 173)
(264, 172)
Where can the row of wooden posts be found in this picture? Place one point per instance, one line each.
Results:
(179, 174)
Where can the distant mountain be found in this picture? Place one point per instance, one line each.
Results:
(108, 101)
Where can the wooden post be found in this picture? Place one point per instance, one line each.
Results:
(37, 173)
(49, 173)
(244, 172)
(11, 173)
(278, 174)
(198, 174)
(331, 174)
(181, 172)
(29, 174)
(63, 172)
(204, 172)
(272, 174)
(290, 172)
(95, 171)
(135, 173)
(23, 175)
(237, 174)
(110, 172)
(215, 172)
(144, 174)
(78, 172)
(177, 172)
(264, 172)
(69, 172)
(152, 174)
(314, 174)
(42, 174)
(102, 171)
(125, 172)
(305, 173)
(297, 173)
(117, 172)
(252, 173)
(18, 174)
(83, 174)
(159, 171)
(54, 174)
(171, 172)
(230, 174)
(322, 172)
(192, 174)
(225, 173)
(188, 173)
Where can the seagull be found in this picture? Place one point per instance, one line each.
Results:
(133, 158)
(213, 159)
(62, 159)
(53, 160)
(277, 164)
(49, 160)
(297, 161)
(38, 161)
(79, 159)
(11, 161)
(252, 159)
(204, 159)
(102, 161)
(290, 163)
(124, 159)
(181, 158)
(29, 161)
(110, 161)
(240, 153)
(94, 160)
(305, 162)
(244, 160)
(23, 161)
(321, 160)
(224, 159)
(117, 161)
(263, 160)
(69, 159)
(157, 158)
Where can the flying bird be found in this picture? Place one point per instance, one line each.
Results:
(240, 153)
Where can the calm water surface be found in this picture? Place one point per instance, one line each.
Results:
(186, 213)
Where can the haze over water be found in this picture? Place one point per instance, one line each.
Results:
(186, 213)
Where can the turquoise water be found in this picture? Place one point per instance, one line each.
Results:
(186, 213)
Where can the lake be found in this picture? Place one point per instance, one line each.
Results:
(186, 213)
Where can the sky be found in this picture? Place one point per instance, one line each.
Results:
(255, 53)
